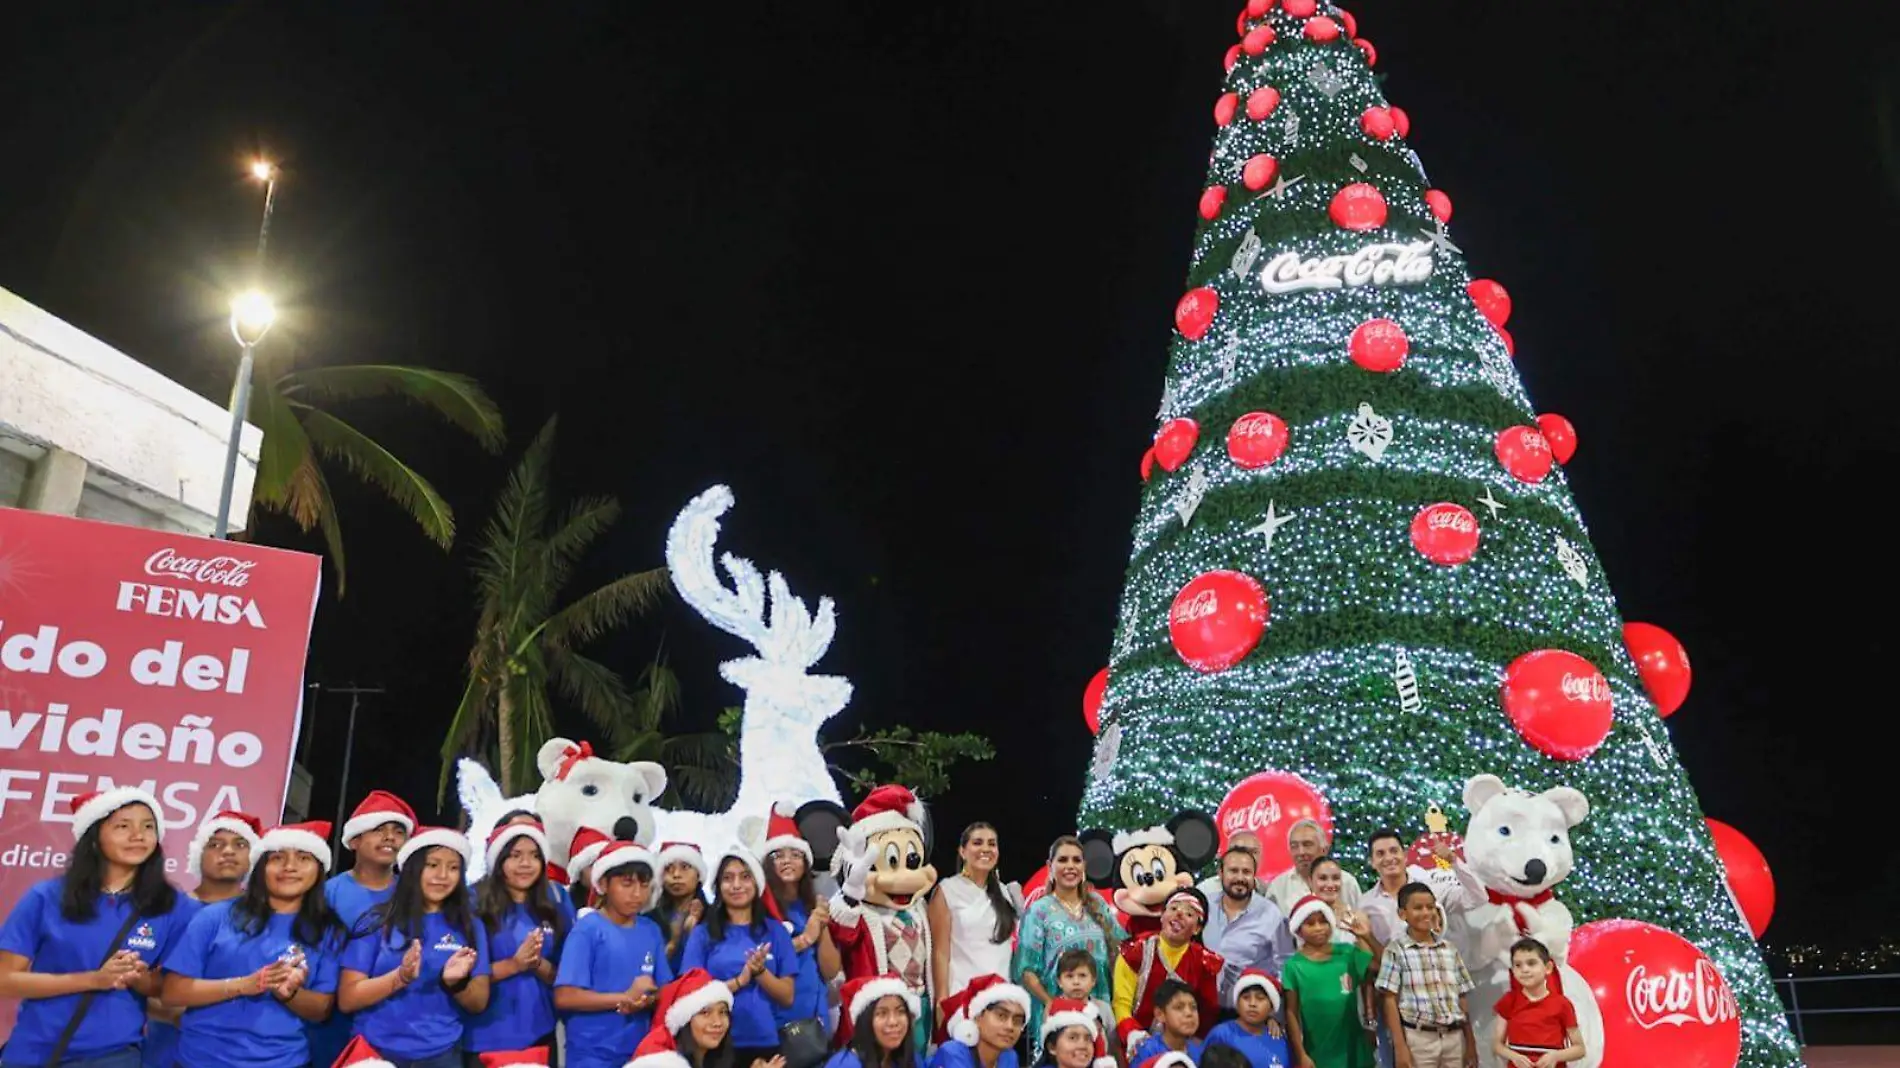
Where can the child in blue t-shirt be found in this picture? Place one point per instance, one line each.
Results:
(1177, 1021)
(526, 922)
(417, 968)
(613, 963)
(374, 833)
(739, 944)
(1254, 1033)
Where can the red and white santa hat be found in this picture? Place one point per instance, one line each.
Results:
(679, 1001)
(90, 808)
(242, 824)
(1065, 1013)
(613, 856)
(1257, 979)
(1306, 907)
(887, 808)
(427, 838)
(963, 1007)
(861, 993)
(1170, 1059)
(781, 832)
(532, 1057)
(360, 1054)
(312, 837)
(502, 839)
(586, 848)
(680, 853)
(378, 808)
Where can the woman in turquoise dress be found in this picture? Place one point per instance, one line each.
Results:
(1071, 915)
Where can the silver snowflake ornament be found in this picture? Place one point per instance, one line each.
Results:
(1108, 746)
(1358, 164)
(1322, 77)
(1369, 432)
(1246, 254)
(1230, 358)
(1656, 754)
(1572, 562)
(1190, 500)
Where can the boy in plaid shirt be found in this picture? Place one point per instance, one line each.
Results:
(1423, 983)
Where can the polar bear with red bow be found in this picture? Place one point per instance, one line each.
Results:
(579, 788)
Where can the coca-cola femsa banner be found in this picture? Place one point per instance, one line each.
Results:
(134, 656)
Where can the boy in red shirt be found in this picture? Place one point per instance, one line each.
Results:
(1537, 1026)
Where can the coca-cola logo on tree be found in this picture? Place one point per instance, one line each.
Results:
(1267, 805)
(1662, 1000)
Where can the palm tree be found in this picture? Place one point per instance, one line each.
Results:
(526, 640)
(297, 431)
(702, 770)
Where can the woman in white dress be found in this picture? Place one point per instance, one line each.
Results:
(972, 916)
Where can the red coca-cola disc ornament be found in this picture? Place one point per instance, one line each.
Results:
(1558, 701)
(1256, 439)
(1299, 9)
(1372, 54)
(1321, 29)
(1262, 101)
(1174, 441)
(1194, 312)
(1092, 701)
(1376, 122)
(1358, 206)
(1662, 1001)
(1217, 619)
(1257, 40)
(1662, 662)
(1232, 57)
(1750, 882)
(1493, 302)
(1225, 107)
(1440, 203)
(1211, 200)
(1559, 435)
(1148, 463)
(1259, 171)
(1268, 804)
(1445, 533)
(1524, 453)
(1378, 345)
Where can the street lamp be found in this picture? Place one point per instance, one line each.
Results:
(265, 171)
(252, 314)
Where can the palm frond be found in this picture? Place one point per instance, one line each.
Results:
(463, 728)
(596, 689)
(657, 696)
(377, 465)
(510, 547)
(587, 520)
(456, 398)
(332, 530)
(603, 609)
(287, 475)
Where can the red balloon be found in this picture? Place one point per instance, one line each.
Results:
(1232, 57)
(1559, 702)
(1240, 21)
(1439, 203)
(1092, 701)
(1445, 533)
(1299, 9)
(1749, 880)
(1662, 662)
(1321, 29)
(1148, 463)
(1510, 347)
(1401, 120)
(1377, 123)
(1378, 345)
(1211, 200)
(1256, 439)
(1194, 313)
(1258, 8)
(1524, 453)
(1662, 1000)
(1217, 619)
(1372, 54)
(1559, 435)
(1352, 24)
(1262, 101)
(1257, 40)
(1357, 207)
(1268, 804)
(1260, 171)
(1492, 300)
(1173, 442)
(1225, 107)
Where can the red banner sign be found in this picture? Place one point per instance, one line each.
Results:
(139, 657)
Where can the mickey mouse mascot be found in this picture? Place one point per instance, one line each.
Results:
(877, 918)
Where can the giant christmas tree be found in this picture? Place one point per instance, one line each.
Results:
(1358, 570)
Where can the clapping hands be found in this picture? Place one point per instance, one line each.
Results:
(121, 970)
(459, 965)
(411, 965)
(528, 954)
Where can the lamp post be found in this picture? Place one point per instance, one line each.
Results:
(265, 171)
(252, 314)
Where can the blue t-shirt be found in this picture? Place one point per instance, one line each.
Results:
(520, 1009)
(255, 1031)
(753, 1023)
(161, 1039)
(350, 900)
(36, 930)
(957, 1055)
(1262, 1050)
(422, 1019)
(604, 957)
(1155, 1047)
(808, 988)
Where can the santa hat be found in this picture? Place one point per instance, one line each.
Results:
(502, 839)
(360, 1054)
(681, 853)
(963, 1007)
(1169, 1059)
(679, 1001)
(431, 837)
(740, 853)
(533, 1057)
(865, 991)
(585, 848)
(378, 808)
(90, 808)
(887, 808)
(1065, 1013)
(613, 856)
(1256, 978)
(1147, 836)
(1305, 907)
(312, 838)
(242, 824)
(781, 832)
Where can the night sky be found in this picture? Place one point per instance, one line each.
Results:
(902, 275)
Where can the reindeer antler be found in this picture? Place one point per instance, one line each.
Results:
(795, 637)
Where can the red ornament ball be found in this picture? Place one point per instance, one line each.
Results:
(1267, 805)
(1401, 120)
(1372, 54)
(1148, 463)
(1351, 24)
(1240, 21)
(1379, 345)
(1322, 29)
(1750, 882)
(1225, 107)
(1092, 701)
(1662, 662)
(1211, 200)
(1377, 123)
(1258, 8)
(1445, 533)
(1492, 300)
(1299, 9)
(1262, 101)
(1232, 57)
(1524, 453)
(1662, 1001)
(1257, 40)
(1510, 347)
(1174, 441)
(1256, 439)
(1559, 435)
(1194, 313)
(1558, 701)
(1440, 204)
(1357, 207)
(1217, 619)
(1260, 171)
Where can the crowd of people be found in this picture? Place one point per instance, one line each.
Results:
(637, 956)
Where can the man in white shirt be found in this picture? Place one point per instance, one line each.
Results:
(1306, 842)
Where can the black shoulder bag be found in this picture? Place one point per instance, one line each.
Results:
(85, 1000)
